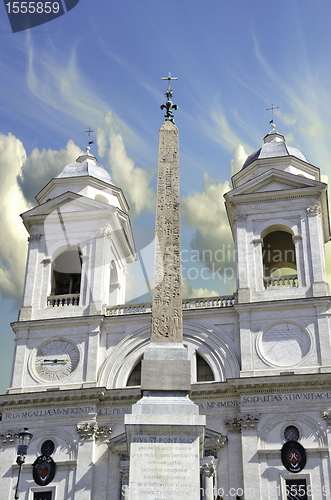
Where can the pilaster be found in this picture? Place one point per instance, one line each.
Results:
(320, 287)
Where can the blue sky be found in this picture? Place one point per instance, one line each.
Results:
(101, 65)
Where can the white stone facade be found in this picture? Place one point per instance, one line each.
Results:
(268, 347)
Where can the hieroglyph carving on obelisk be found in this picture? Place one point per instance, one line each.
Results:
(167, 297)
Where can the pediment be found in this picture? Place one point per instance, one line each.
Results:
(66, 203)
(275, 185)
(275, 180)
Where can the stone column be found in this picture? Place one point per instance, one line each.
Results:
(258, 264)
(124, 475)
(297, 240)
(245, 341)
(242, 261)
(207, 471)
(8, 457)
(46, 282)
(92, 354)
(316, 246)
(83, 297)
(84, 473)
(29, 282)
(96, 285)
(70, 489)
(252, 479)
(322, 316)
(20, 358)
(325, 457)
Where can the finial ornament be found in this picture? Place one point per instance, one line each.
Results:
(169, 106)
(88, 132)
(273, 126)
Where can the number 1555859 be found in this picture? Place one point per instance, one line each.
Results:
(33, 7)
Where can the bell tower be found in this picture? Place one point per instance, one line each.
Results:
(279, 220)
(79, 246)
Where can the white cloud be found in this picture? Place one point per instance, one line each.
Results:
(188, 291)
(42, 166)
(239, 157)
(220, 130)
(57, 82)
(13, 239)
(205, 211)
(135, 181)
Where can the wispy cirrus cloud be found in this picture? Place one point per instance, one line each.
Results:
(134, 180)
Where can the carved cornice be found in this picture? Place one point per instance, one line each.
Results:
(91, 430)
(242, 422)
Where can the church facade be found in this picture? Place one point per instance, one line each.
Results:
(260, 359)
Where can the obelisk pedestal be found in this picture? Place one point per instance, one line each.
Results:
(165, 432)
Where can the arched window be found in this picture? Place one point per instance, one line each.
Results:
(204, 372)
(279, 259)
(135, 375)
(67, 270)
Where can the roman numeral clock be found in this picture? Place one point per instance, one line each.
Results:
(56, 360)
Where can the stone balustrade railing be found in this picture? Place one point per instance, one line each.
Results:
(71, 299)
(290, 281)
(205, 303)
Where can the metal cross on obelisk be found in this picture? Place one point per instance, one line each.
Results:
(169, 106)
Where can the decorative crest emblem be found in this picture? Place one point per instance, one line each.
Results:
(293, 456)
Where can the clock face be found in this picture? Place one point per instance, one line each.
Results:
(56, 360)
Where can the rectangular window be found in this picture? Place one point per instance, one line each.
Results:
(42, 495)
(296, 489)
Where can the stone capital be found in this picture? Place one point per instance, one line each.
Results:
(326, 415)
(9, 436)
(314, 209)
(239, 218)
(207, 469)
(91, 430)
(34, 237)
(106, 231)
(242, 422)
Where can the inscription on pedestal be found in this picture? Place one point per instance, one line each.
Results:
(164, 467)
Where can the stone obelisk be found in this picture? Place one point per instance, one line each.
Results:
(165, 431)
